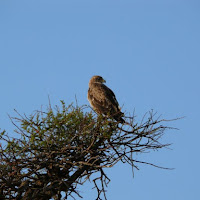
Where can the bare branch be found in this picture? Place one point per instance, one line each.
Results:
(60, 149)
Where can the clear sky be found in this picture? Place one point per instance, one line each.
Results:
(149, 53)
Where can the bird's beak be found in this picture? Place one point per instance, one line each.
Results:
(104, 81)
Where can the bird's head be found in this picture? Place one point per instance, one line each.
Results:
(97, 79)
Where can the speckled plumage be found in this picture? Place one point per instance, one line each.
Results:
(103, 100)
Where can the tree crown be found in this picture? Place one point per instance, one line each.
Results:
(59, 149)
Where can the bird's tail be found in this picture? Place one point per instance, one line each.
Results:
(118, 117)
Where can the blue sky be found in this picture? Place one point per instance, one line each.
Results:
(149, 53)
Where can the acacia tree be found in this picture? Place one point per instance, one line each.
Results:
(58, 149)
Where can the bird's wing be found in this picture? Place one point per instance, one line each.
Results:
(110, 96)
(102, 96)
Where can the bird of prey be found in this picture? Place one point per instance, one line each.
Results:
(103, 100)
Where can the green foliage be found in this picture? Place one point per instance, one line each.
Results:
(59, 127)
(50, 136)
(58, 149)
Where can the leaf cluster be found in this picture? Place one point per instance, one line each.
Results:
(58, 149)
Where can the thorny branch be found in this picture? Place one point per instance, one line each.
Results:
(57, 151)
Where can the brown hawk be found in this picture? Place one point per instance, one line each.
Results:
(103, 100)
